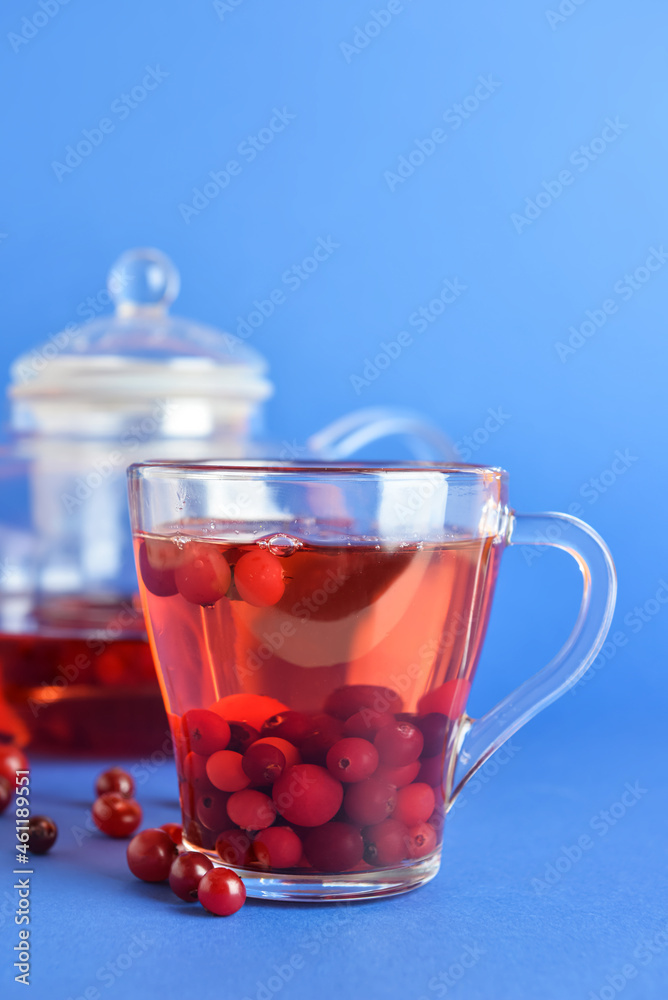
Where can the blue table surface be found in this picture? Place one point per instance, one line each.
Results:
(553, 885)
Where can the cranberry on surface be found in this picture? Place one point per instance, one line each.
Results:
(115, 780)
(115, 815)
(42, 834)
(221, 892)
(12, 760)
(186, 874)
(150, 855)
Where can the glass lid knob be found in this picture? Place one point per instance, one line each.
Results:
(143, 280)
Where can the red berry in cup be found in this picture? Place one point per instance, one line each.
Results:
(12, 760)
(421, 841)
(366, 723)
(307, 795)
(334, 847)
(371, 801)
(325, 732)
(234, 848)
(174, 831)
(194, 771)
(251, 810)
(205, 731)
(291, 753)
(151, 854)
(42, 833)
(434, 728)
(158, 581)
(448, 699)
(115, 780)
(415, 804)
(254, 709)
(386, 843)
(399, 744)
(264, 763)
(241, 736)
(431, 770)
(277, 847)
(258, 577)
(6, 791)
(291, 726)
(186, 874)
(352, 759)
(346, 701)
(204, 575)
(115, 815)
(221, 892)
(225, 770)
(211, 810)
(399, 776)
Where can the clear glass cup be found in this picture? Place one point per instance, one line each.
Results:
(337, 611)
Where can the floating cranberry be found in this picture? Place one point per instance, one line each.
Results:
(12, 760)
(386, 843)
(193, 833)
(291, 726)
(115, 815)
(224, 770)
(325, 732)
(221, 892)
(264, 763)
(399, 776)
(251, 708)
(204, 575)
(151, 854)
(211, 810)
(251, 810)
(115, 780)
(158, 581)
(6, 791)
(346, 701)
(366, 723)
(431, 770)
(174, 831)
(186, 873)
(307, 795)
(352, 759)
(415, 804)
(258, 577)
(421, 840)
(434, 728)
(334, 847)
(370, 802)
(205, 731)
(241, 736)
(448, 699)
(42, 833)
(398, 744)
(234, 848)
(277, 847)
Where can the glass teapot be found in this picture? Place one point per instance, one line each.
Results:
(76, 667)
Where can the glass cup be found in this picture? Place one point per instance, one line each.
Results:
(316, 629)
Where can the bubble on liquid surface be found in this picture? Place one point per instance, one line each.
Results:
(281, 545)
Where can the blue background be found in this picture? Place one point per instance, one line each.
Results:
(556, 81)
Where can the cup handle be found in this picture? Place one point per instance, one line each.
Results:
(477, 739)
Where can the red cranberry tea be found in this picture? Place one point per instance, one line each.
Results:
(313, 690)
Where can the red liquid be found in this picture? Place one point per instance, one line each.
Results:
(411, 619)
(80, 679)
